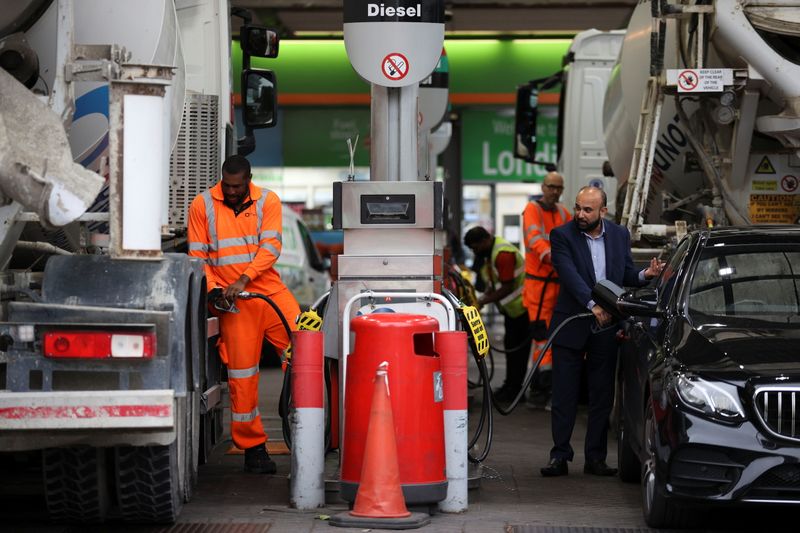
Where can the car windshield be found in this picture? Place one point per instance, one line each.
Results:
(756, 282)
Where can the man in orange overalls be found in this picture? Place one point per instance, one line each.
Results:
(235, 227)
(541, 282)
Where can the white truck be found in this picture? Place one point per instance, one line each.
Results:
(113, 116)
(701, 118)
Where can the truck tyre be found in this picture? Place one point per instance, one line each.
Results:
(195, 362)
(75, 484)
(148, 483)
(192, 444)
(151, 480)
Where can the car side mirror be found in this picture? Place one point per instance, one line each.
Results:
(621, 304)
(260, 98)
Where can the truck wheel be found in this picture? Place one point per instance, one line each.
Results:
(192, 445)
(75, 484)
(195, 361)
(152, 481)
(148, 484)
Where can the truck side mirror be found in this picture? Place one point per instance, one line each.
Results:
(525, 122)
(258, 41)
(260, 98)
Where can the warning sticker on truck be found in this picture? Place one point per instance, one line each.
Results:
(774, 208)
(764, 185)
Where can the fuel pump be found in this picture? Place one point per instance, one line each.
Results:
(393, 224)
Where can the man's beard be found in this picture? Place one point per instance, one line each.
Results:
(234, 202)
(588, 227)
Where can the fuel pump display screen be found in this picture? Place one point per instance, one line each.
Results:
(388, 209)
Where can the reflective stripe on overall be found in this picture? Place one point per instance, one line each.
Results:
(541, 281)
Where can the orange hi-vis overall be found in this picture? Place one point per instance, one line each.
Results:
(540, 291)
(231, 245)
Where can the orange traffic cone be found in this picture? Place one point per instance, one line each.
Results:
(379, 493)
(379, 501)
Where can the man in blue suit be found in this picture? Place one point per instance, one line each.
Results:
(584, 252)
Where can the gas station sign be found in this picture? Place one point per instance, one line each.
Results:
(486, 140)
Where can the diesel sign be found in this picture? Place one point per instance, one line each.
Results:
(394, 11)
(374, 10)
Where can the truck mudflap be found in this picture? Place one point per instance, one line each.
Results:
(31, 420)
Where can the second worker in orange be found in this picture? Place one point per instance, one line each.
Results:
(541, 281)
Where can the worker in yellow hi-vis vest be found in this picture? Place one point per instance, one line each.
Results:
(503, 274)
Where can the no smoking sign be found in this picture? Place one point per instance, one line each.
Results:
(395, 66)
(702, 80)
(688, 80)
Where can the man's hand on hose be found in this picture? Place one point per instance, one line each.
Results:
(602, 317)
(232, 291)
(216, 298)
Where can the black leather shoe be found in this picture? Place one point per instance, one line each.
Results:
(256, 460)
(556, 467)
(599, 468)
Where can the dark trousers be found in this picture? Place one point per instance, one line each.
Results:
(516, 361)
(601, 354)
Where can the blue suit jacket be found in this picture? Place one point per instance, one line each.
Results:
(572, 261)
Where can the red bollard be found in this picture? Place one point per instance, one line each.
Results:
(452, 349)
(308, 421)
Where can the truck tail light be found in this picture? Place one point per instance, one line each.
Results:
(99, 344)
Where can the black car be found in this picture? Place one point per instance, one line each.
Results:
(708, 392)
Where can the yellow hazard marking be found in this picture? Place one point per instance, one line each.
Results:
(309, 321)
(774, 208)
(765, 166)
(477, 329)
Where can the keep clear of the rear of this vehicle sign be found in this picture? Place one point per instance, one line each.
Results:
(700, 80)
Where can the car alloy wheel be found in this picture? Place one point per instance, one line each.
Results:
(660, 511)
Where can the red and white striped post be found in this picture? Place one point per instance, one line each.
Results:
(308, 422)
(452, 349)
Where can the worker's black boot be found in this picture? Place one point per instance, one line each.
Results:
(256, 460)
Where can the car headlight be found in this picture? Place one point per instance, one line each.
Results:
(715, 399)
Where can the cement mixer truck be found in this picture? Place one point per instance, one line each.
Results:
(113, 116)
(699, 120)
